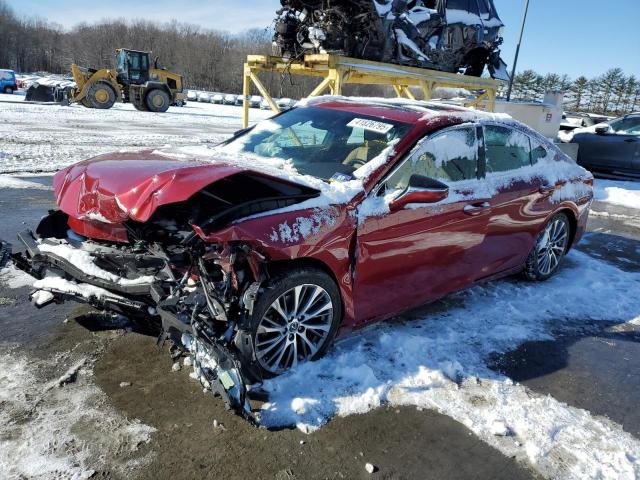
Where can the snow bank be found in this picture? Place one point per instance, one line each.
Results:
(13, 182)
(626, 194)
(438, 361)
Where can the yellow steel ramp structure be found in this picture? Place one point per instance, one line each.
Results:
(335, 71)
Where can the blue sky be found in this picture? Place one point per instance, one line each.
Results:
(562, 36)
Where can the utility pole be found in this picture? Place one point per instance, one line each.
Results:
(515, 60)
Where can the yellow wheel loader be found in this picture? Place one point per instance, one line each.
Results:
(149, 89)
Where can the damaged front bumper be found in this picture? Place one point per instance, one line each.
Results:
(197, 322)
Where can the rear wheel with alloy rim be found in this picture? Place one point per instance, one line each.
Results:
(551, 246)
(295, 319)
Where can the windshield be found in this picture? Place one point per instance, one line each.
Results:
(326, 143)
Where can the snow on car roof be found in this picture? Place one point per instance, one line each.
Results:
(414, 110)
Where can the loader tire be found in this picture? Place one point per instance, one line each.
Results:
(85, 103)
(157, 100)
(140, 106)
(101, 95)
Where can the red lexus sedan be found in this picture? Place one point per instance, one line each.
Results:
(253, 255)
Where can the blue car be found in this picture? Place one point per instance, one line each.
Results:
(8, 81)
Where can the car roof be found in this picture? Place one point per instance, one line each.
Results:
(397, 109)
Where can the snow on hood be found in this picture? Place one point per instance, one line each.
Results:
(113, 188)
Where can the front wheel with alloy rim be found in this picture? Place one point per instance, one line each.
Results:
(295, 319)
(551, 246)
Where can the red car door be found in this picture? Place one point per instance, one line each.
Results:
(421, 252)
(519, 205)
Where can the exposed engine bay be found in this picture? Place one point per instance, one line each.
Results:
(447, 35)
(196, 294)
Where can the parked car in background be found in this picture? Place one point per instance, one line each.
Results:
(264, 105)
(204, 97)
(611, 147)
(217, 98)
(255, 101)
(329, 217)
(192, 96)
(25, 81)
(230, 99)
(285, 103)
(571, 121)
(8, 81)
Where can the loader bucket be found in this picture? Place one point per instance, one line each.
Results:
(41, 93)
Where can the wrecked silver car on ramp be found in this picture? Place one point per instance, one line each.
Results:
(447, 35)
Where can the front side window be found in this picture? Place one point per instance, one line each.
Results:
(626, 126)
(449, 156)
(506, 149)
(121, 62)
(323, 142)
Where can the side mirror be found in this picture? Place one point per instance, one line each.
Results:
(421, 190)
(602, 129)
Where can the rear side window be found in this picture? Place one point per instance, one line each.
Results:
(506, 149)
(538, 151)
(449, 156)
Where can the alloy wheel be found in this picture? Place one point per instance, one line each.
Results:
(294, 327)
(551, 246)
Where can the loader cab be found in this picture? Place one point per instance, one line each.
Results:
(132, 67)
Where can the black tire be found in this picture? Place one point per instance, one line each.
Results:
(157, 100)
(475, 69)
(140, 106)
(8, 90)
(86, 103)
(536, 268)
(101, 95)
(280, 285)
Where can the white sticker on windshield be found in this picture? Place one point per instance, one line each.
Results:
(370, 125)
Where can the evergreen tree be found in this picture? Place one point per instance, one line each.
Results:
(579, 90)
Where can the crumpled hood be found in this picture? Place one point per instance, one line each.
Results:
(116, 187)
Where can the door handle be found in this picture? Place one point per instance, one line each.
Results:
(476, 208)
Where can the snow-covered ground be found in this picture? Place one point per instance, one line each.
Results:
(46, 138)
(623, 193)
(438, 360)
(52, 441)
